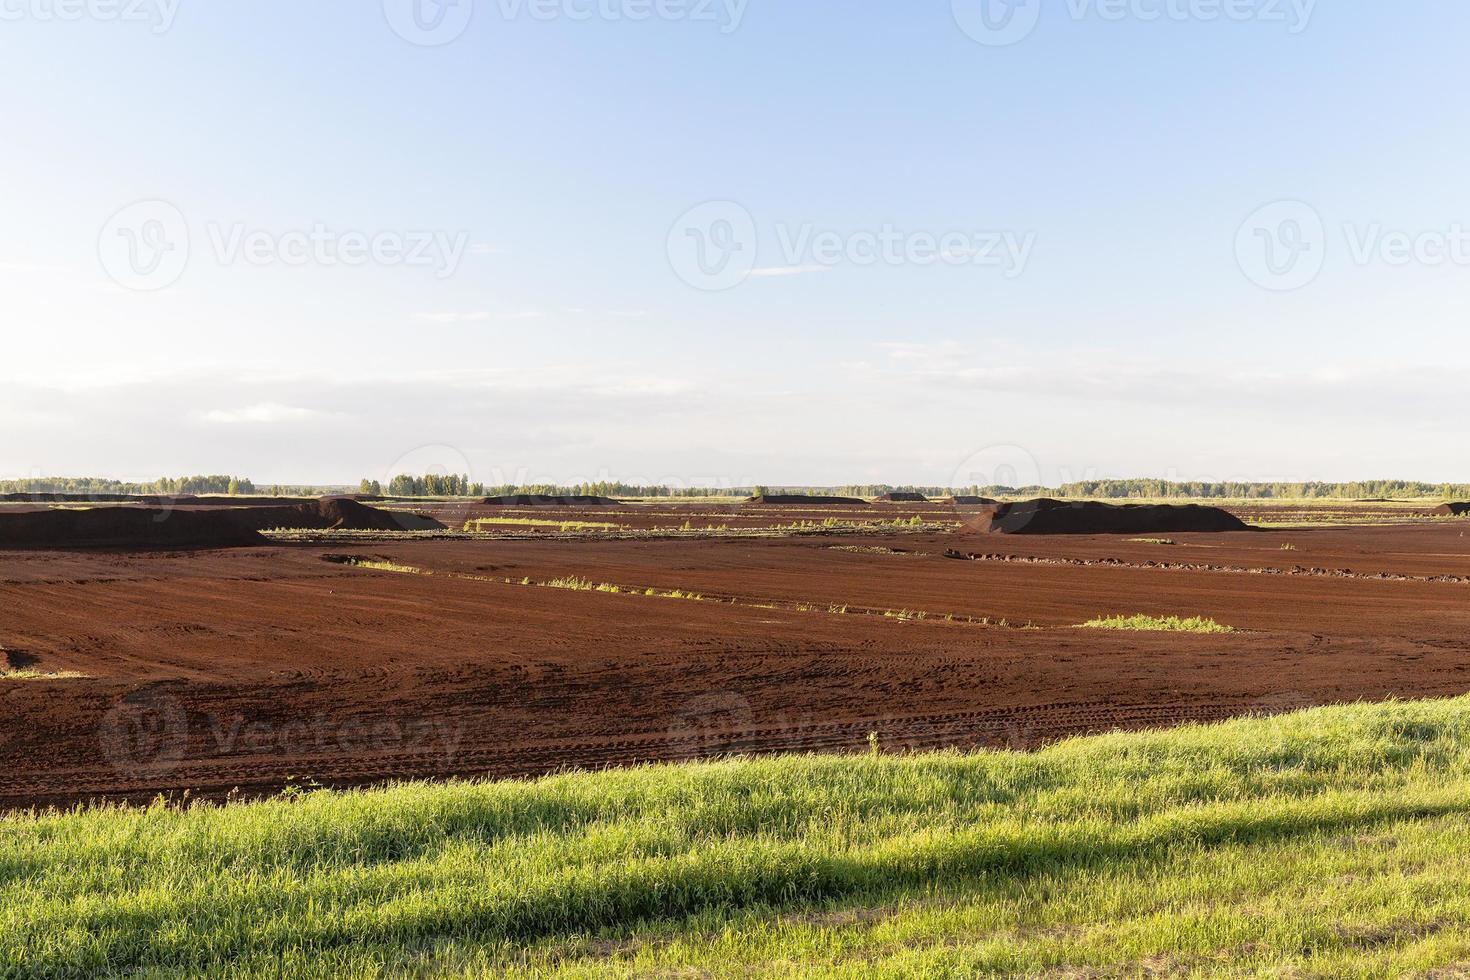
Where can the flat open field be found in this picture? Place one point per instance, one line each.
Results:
(353, 661)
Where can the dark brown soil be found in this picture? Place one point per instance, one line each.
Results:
(248, 667)
(187, 526)
(901, 497)
(796, 499)
(1456, 509)
(1047, 516)
(333, 514)
(968, 500)
(124, 527)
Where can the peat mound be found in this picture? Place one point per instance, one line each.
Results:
(902, 497)
(331, 514)
(1046, 516)
(805, 498)
(549, 500)
(1454, 509)
(969, 500)
(124, 527)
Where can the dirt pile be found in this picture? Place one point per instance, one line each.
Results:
(902, 497)
(1455, 509)
(969, 500)
(332, 514)
(805, 498)
(547, 500)
(124, 527)
(1047, 516)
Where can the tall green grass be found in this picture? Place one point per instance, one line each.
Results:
(1332, 842)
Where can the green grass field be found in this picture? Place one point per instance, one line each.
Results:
(1333, 842)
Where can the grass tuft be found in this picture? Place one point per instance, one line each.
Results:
(26, 674)
(1158, 624)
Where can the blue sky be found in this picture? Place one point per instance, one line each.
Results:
(543, 163)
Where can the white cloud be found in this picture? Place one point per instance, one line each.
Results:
(776, 271)
(1098, 377)
(475, 317)
(264, 413)
(478, 316)
(34, 268)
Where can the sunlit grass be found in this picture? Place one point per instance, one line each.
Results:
(482, 523)
(26, 674)
(1158, 624)
(383, 565)
(1333, 842)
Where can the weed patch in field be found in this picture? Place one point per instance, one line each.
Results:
(478, 524)
(1158, 624)
(40, 675)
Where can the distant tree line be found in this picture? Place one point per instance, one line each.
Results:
(429, 485)
(1357, 490)
(452, 485)
(164, 485)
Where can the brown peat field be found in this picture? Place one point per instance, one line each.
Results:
(926, 749)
